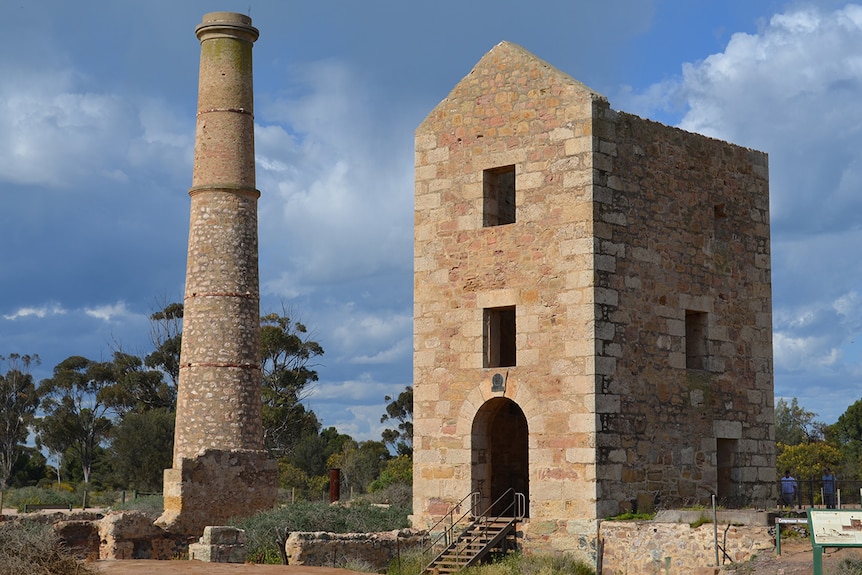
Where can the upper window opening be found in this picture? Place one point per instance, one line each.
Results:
(695, 339)
(499, 337)
(498, 188)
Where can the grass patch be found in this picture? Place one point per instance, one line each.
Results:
(540, 564)
(266, 531)
(629, 516)
(29, 548)
(849, 566)
(412, 563)
(700, 521)
(409, 562)
(63, 494)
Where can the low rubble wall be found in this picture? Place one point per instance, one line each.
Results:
(326, 549)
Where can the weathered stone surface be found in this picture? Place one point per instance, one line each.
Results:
(649, 547)
(219, 544)
(216, 486)
(132, 535)
(326, 549)
(80, 537)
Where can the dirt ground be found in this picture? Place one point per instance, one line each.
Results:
(140, 567)
(796, 559)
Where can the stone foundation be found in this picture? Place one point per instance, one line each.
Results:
(325, 549)
(215, 486)
(219, 544)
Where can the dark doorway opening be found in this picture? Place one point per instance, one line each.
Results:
(500, 454)
(726, 470)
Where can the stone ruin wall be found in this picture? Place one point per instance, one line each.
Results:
(628, 547)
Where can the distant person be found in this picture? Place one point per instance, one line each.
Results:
(828, 488)
(788, 489)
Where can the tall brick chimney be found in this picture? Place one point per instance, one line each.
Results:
(220, 468)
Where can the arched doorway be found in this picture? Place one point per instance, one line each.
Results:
(500, 452)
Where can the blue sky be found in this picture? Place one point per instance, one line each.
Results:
(97, 104)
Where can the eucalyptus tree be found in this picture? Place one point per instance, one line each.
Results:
(76, 412)
(18, 403)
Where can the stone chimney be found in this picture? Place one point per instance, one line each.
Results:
(220, 469)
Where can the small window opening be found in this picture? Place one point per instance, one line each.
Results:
(499, 335)
(498, 189)
(719, 221)
(695, 339)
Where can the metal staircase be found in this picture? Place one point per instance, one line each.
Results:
(469, 538)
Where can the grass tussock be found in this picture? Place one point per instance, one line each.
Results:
(33, 549)
(849, 567)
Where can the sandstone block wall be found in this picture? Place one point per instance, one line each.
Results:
(682, 225)
(650, 548)
(217, 486)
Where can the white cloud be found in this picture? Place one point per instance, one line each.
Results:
(109, 312)
(353, 406)
(40, 312)
(335, 204)
(54, 132)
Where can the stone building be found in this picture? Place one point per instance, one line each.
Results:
(592, 302)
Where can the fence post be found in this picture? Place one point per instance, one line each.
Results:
(811, 491)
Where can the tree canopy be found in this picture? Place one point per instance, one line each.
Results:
(400, 409)
(76, 413)
(18, 404)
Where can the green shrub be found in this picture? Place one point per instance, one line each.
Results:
(264, 530)
(28, 548)
(18, 498)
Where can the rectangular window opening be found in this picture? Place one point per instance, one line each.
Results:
(695, 339)
(499, 335)
(719, 221)
(498, 191)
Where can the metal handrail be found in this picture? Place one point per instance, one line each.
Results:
(518, 506)
(447, 534)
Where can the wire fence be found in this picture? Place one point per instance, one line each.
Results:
(810, 493)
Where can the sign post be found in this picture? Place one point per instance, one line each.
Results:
(833, 528)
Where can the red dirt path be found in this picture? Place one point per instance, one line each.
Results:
(141, 567)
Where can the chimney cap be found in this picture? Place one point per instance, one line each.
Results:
(226, 25)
